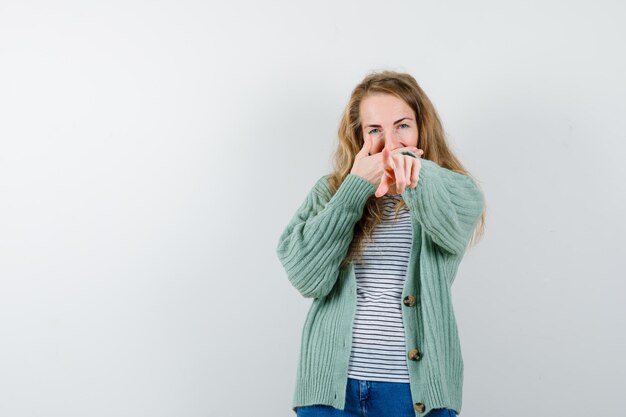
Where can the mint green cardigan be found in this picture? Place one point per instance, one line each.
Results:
(445, 208)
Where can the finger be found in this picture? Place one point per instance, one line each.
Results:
(388, 164)
(400, 172)
(365, 149)
(390, 167)
(413, 149)
(382, 187)
(415, 172)
(408, 168)
(418, 153)
(367, 145)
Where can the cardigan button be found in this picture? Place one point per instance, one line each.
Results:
(414, 355)
(409, 301)
(419, 407)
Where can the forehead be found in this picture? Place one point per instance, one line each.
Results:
(381, 107)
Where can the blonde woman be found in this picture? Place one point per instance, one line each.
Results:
(376, 245)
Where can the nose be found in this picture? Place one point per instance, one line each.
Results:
(391, 140)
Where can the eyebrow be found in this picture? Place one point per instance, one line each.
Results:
(397, 121)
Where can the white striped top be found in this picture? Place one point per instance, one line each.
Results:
(378, 346)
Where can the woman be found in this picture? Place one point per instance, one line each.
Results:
(376, 245)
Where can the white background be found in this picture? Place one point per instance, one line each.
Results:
(152, 152)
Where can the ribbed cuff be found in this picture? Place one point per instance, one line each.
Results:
(354, 191)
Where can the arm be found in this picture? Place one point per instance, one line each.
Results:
(447, 204)
(317, 239)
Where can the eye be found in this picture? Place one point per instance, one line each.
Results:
(404, 124)
(372, 131)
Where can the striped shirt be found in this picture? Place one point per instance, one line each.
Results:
(378, 342)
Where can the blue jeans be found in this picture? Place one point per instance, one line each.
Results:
(373, 399)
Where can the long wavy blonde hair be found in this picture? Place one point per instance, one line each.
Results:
(431, 139)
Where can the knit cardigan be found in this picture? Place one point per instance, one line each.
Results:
(445, 208)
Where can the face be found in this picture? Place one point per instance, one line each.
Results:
(388, 121)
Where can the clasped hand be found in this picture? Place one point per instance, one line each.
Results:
(389, 170)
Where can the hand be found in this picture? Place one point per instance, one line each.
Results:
(370, 167)
(399, 171)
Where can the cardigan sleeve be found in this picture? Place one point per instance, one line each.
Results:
(317, 238)
(447, 204)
